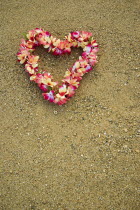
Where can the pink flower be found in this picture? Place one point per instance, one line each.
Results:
(94, 43)
(48, 82)
(88, 68)
(87, 49)
(31, 69)
(67, 50)
(92, 58)
(85, 35)
(82, 71)
(63, 90)
(43, 87)
(27, 44)
(45, 79)
(95, 50)
(83, 63)
(44, 40)
(38, 30)
(72, 82)
(77, 76)
(32, 59)
(59, 99)
(92, 62)
(70, 91)
(31, 35)
(57, 51)
(47, 33)
(75, 34)
(67, 47)
(75, 66)
(84, 55)
(49, 96)
(22, 55)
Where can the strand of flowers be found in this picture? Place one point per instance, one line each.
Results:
(72, 76)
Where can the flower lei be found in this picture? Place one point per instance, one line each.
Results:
(72, 76)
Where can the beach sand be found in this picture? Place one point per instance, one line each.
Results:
(85, 154)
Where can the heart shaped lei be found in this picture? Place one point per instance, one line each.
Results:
(72, 76)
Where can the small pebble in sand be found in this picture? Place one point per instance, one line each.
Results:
(55, 112)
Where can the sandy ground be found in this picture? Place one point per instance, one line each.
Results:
(83, 155)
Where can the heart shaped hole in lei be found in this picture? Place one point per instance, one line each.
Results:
(52, 90)
(56, 65)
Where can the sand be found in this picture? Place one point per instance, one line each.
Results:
(83, 155)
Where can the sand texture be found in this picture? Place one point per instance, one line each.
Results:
(83, 155)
